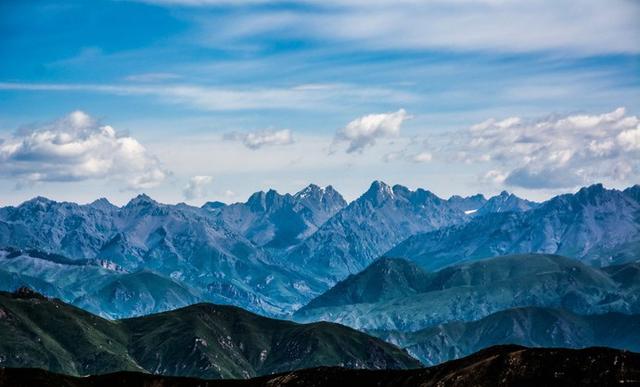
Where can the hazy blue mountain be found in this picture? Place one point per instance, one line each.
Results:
(278, 221)
(469, 204)
(478, 205)
(274, 253)
(136, 294)
(395, 294)
(187, 244)
(11, 281)
(212, 206)
(505, 202)
(202, 340)
(633, 192)
(368, 226)
(596, 225)
(71, 229)
(531, 327)
(96, 286)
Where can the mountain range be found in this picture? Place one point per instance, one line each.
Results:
(274, 253)
(595, 225)
(531, 327)
(496, 366)
(202, 340)
(398, 294)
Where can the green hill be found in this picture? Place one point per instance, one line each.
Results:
(202, 340)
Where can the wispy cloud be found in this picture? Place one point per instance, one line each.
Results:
(256, 140)
(219, 98)
(595, 27)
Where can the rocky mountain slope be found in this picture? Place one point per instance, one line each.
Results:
(496, 366)
(273, 220)
(368, 226)
(202, 340)
(596, 225)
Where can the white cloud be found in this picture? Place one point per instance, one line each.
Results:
(197, 187)
(77, 148)
(256, 140)
(363, 132)
(422, 157)
(556, 152)
(629, 139)
(494, 176)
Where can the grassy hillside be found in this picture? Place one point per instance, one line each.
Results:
(202, 340)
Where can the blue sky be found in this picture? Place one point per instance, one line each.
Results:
(213, 99)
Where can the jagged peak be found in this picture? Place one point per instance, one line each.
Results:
(213, 205)
(101, 200)
(262, 201)
(141, 199)
(399, 189)
(329, 188)
(320, 194)
(38, 200)
(102, 203)
(377, 193)
(256, 196)
(593, 188)
(379, 187)
(592, 191)
(477, 196)
(310, 190)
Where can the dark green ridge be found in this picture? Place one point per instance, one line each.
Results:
(202, 340)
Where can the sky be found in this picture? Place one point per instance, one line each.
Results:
(198, 100)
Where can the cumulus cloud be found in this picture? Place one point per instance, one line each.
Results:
(364, 131)
(256, 140)
(558, 151)
(196, 187)
(75, 148)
